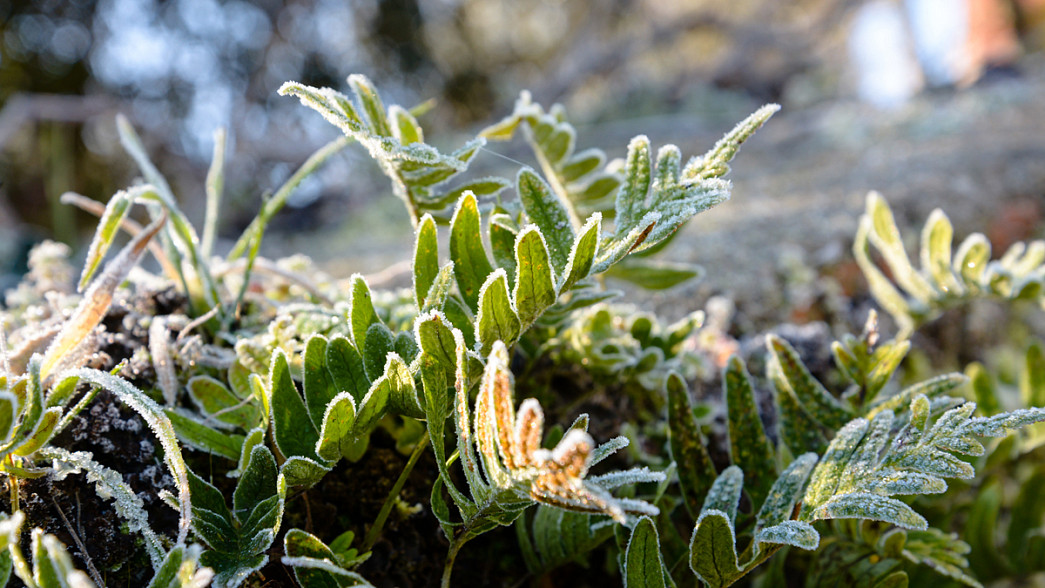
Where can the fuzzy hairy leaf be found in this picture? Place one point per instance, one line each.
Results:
(750, 449)
(471, 264)
(643, 566)
(712, 550)
(550, 215)
(534, 285)
(497, 319)
(687, 446)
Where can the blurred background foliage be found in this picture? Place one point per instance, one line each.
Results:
(181, 68)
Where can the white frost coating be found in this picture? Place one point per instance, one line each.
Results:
(614, 480)
(108, 483)
(161, 426)
(795, 533)
(327, 566)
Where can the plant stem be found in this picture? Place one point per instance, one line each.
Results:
(451, 555)
(386, 508)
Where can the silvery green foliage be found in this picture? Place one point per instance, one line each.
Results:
(238, 538)
(913, 296)
(586, 184)
(810, 414)
(868, 462)
(620, 342)
(868, 553)
(395, 141)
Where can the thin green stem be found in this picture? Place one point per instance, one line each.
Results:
(279, 199)
(386, 508)
(451, 555)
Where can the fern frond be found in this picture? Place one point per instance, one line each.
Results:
(914, 296)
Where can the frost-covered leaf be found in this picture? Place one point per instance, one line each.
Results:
(497, 320)
(695, 469)
(749, 447)
(534, 284)
(583, 252)
(546, 211)
(795, 533)
(643, 566)
(471, 264)
(426, 260)
(654, 275)
(292, 429)
(712, 550)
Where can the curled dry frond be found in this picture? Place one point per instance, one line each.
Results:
(510, 447)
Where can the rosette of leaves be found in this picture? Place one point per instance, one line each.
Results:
(946, 277)
(347, 386)
(504, 465)
(620, 343)
(238, 538)
(396, 142)
(587, 184)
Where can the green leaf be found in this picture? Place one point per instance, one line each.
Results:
(870, 506)
(796, 533)
(426, 260)
(40, 435)
(316, 565)
(545, 210)
(439, 293)
(789, 373)
(534, 286)
(379, 343)
(471, 264)
(362, 313)
(303, 471)
(219, 403)
(405, 127)
(336, 438)
(108, 227)
(712, 550)
(503, 234)
(936, 253)
(317, 385)
(724, 495)
(345, 366)
(497, 320)
(799, 431)
(687, 447)
(786, 491)
(749, 447)
(654, 274)
(643, 566)
(373, 109)
(403, 397)
(292, 429)
(713, 164)
(200, 436)
(437, 340)
(583, 252)
(256, 484)
(631, 198)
